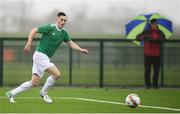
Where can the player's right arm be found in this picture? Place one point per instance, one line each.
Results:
(27, 47)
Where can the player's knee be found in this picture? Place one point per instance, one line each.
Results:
(57, 76)
(34, 83)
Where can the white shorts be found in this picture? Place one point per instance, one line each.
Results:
(41, 62)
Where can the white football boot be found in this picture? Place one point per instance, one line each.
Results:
(10, 97)
(45, 97)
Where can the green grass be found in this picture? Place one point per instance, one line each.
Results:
(131, 75)
(73, 35)
(161, 97)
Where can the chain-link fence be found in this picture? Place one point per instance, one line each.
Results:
(110, 62)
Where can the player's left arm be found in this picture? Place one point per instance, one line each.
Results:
(74, 46)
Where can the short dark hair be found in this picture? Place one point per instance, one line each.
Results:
(153, 21)
(61, 14)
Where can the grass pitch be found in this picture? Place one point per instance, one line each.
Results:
(92, 100)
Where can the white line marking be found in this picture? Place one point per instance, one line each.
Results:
(100, 101)
(110, 102)
(93, 100)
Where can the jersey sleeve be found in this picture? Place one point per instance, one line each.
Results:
(44, 28)
(66, 37)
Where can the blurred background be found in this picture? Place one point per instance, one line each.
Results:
(113, 68)
(98, 25)
(86, 18)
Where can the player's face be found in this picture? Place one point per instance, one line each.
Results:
(61, 21)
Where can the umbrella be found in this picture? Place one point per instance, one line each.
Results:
(141, 22)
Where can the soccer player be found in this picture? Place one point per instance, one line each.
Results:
(52, 36)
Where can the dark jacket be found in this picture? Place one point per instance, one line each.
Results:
(152, 41)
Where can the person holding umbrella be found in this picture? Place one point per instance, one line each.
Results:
(152, 38)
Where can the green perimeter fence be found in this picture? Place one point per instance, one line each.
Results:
(110, 62)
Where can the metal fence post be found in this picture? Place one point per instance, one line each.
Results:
(1, 62)
(162, 64)
(101, 65)
(70, 66)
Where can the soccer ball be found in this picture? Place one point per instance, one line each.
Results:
(132, 100)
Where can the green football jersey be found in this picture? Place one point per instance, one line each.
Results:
(51, 39)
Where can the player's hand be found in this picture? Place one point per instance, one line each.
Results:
(85, 51)
(27, 48)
